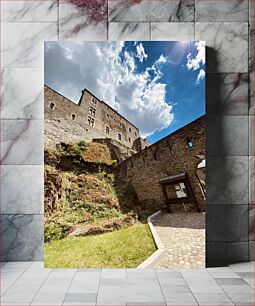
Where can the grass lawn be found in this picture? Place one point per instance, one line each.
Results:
(125, 248)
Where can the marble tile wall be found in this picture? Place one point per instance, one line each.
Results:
(228, 29)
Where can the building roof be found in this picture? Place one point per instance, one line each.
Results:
(60, 94)
(168, 179)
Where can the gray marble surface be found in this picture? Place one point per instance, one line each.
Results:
(21, 142)
(216, 252)
(29, 283)
(25, 48)
(251, 10)
(238, 252)
(151, 10)
(251, 180)
(21, 189)
(251, 135)
(227, 180)
(221, 142)
(234, 10)
(251, 250)
(128, 31)
(34, 11)
(81, 21)
(251, 69)
(251, 222)
(229, 42)
(22, 237)
(172, 31)
(22, 93)
(227, 94)
(251, 93)
(230, 225)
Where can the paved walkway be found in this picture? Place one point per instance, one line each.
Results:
(183, 235)
(27, 283)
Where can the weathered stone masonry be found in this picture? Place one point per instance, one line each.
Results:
(179, 152)
(175, 154)
(66, 121)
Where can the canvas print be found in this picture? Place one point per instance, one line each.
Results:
(124, 154)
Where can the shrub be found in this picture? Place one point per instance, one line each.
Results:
(96, 210)
(73, 215)
(54, 231)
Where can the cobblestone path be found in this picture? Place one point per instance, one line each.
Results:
(183, 235)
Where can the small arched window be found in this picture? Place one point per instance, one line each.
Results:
(189, 143)
(52, 106)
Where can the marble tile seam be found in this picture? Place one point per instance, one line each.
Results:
(23, 164)
(46, 278)
(21, 274)
(187, 284)
(21, 214)
(160, 286)
(98, 287)
(26, 21)
(69, 286)
(22, 119)
(174, 23)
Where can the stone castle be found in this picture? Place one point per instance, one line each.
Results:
(167, 174)
(89, 120)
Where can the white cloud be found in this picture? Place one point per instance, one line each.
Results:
(195, 63)
(201, 75)
(141, 52)
(162, 59)
(108, 72)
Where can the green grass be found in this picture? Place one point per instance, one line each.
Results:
(125, 248)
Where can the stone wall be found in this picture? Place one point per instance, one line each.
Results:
(139, 144)
(170, 156)
(66, 121)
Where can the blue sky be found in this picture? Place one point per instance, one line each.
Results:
(158, 86)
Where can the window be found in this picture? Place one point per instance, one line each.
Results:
(91, 121)
(92, 111)
(119, 137)
(73, 116)
(130, 130)
(52, 106)
(135, 134)
(177, 190)
(155, 156)
(129, 139)
(107, 130)
(189, 143)
(94, 101)
(107, 115)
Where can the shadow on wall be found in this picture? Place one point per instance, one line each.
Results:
(225, 224)
(211, 62)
